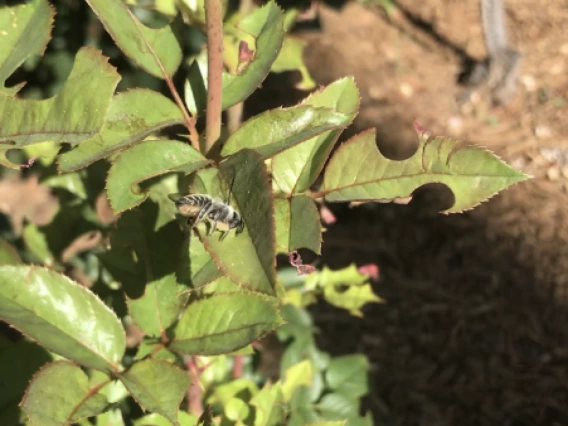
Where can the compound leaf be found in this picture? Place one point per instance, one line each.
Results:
(62, 316)
(26, 31)
(132, 116)
(296, 169)
(146, 160)
(158, 386)
(75, 114)
(223, 323)
(359, 172)
(274, 131)
(60, 394)
(154, 50)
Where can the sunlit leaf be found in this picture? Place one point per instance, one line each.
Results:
(154, 419)
(358, 171)
(302, 410)
(75, 114)
(265, 24)
(146, 160)
(197, 268)
(157, 386)
(37, 244)
(290, 59)
(247, 258)
(153, 49)
(276, 130)
(59, 394)
(269, 406)
(24, 31)
(296, 169)
(159, 307)
(296, 375)
(352, 298)
(62, 316)
(223, 323)
(335, 406)
(297, 224)
(132, 116)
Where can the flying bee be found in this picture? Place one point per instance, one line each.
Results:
(218, 213)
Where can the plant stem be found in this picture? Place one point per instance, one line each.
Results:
(214, 18)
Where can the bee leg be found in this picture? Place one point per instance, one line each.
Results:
(202, 214)
(223, 235)
(213, 227)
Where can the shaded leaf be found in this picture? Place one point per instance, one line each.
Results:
(347, 375)
(296, 169)
(62, 316)
(297, 224)
(276, 130)
(150, 48)
(159, 307)
(197, 268)
(18, 362)
(8, 254)
(358, 171)
(132, 116)
(146, 160)
(75, 114)
(249, 257)
(302, 410)
(37, 244)
(29, 31)
(223, 323)
(334, 406)
(290, 59)
(157, 386)
(265, 24)
(59, 394)
(195, 87)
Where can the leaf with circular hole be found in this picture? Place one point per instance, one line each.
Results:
(297, 224)
(359, 172)
(62, 316)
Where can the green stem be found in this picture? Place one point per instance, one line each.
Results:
(214, 18)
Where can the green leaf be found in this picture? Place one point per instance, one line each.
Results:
(352, 298)
(265, 24)
(146, 160)
(140, 252)
(36, 242)
(223, 323)
(297, 375)
(62, 316)
(195, 87)
(152, 49)
(223, 393)
(236, 410)
(296, 169)
(290, 59)
(132, 116)
(329, 423)
(248, 258)
(269, 406)
(276, 130)
(158, 386)
(75, 114)
(334, 406)
(27, 29)
(59, 394)
(358, 171)
(18, 363)
(74, 183)
(8, 254)
(197, 268)
(297, 224)
(347, 375)
(155, 419)
(302, 411)
(159, 307)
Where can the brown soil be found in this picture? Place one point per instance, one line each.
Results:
(475, 328)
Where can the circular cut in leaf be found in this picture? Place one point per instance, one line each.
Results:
(155, 50)
(224, 323)
(76, 113)
(297, 225)
(132, 116)
(274, 131)
(143, 161)
(359, 172)
(62, 316)
(59, 395)
(157, 386)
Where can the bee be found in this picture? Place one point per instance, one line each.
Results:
(219, 214)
